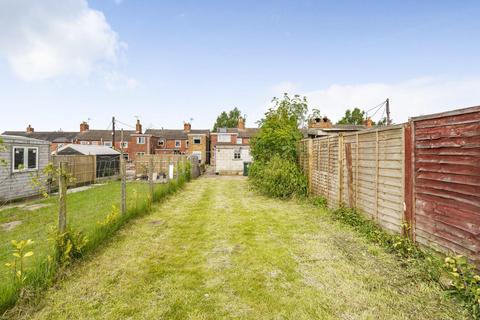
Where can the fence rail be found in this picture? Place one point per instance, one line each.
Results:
(424, 173)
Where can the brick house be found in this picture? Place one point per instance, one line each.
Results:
(186, 141)
(230, 148)
(57, 139)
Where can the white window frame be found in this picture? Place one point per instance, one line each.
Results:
(197, 138)
(161, 143)
(178, 143)
(140, 153)
(95, 143)
(25, 159)
(84, 142)
(239, 140)
(107, 143)
(124, 145)
(140, 140)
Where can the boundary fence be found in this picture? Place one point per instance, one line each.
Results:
(421, 178)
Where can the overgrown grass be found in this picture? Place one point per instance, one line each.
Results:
(89, 212)
(220, 251)
(455, 274)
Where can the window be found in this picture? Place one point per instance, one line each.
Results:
(140, 140)
(161, 143)
(124, 144)
(197, 140)
(236, 154)
(140, 154)
(239, 140)
(223, 138)
(107, 143)
(95, 142)
(25, 158)
(84, 142)
(125, 156)
(178, 143)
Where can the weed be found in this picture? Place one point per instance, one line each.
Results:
(19, 254)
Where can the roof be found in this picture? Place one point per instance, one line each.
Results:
(171, 134)
(52, 136)
(103, 135)
(242, 133)
(89, 149)
(11, 139)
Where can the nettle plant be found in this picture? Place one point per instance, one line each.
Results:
(20, 253)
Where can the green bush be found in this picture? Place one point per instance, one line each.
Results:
(278, 177)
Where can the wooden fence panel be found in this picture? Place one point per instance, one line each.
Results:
(446, 181)
(81, 167)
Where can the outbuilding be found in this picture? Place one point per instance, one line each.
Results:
(22, 161)
(107, 160)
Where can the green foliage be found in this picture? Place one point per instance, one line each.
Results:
(279, 130)
(319, 201)
(227, 120)
(3, 162)
(69, 246)
(19, 253)
(355, 116)
(455, 274)
(278, 177)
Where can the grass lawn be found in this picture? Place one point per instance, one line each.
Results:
(84, 210)
(219, 251)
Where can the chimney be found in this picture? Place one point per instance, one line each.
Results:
(368, 123)
(187, 126)
(84, 126)
(320, 123)
(241, 123)
(30, 129)
(138, 127)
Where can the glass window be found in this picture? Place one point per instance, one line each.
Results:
(177, 143)
(32, 158)
(140, 140)
(236, 154)
(161, 143)
(197, 140)
(223, 138)
(107, 143)
(124, 144)
(18, 159)
(239, 140)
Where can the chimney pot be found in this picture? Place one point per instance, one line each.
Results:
(30, 129)
(368, 123)
(187, 126)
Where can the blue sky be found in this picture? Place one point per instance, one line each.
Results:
(167, 62)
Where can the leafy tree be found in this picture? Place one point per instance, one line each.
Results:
(315, 114)
(227, 120)
(355, 116)
(279, 129)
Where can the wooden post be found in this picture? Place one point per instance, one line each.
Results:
(62, 197)
(340, 170)
(123, 175)
(150, 175)
(310, 164)
(328, 171)
(94, 168)
(348, 156)
(356, 170)
(376, 175)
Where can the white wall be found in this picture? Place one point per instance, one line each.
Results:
(225, 162)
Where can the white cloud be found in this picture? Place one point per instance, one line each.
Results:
(407, 99)
(51, 38)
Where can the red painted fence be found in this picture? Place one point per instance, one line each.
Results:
(442, 181)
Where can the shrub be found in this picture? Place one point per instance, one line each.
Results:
(278, 178)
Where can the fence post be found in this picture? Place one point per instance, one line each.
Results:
(62, 197)
(376, 174)
(150, 175)
(123, 175)
(348, 156)
(340, 169)
(310, 164)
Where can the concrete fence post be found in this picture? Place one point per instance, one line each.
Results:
(62, 197)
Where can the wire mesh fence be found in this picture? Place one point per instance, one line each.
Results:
(88, 199)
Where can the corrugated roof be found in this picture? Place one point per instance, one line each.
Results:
(89, 149)
(21, 139)
(243, 133)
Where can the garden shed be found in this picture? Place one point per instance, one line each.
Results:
(107, 160)
(22, 161)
